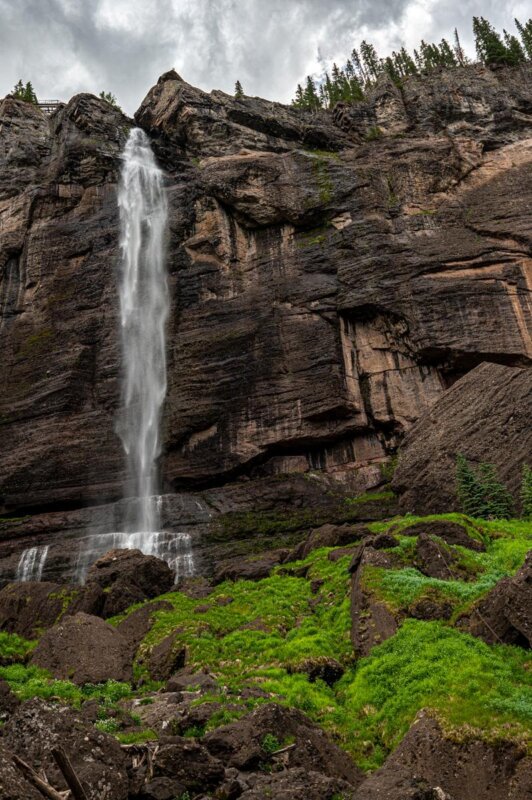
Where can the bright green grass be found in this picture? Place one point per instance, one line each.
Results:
(14, 648)
(31, 681)
(507, 543)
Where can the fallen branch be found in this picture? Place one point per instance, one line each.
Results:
(42, 786)
(67, 770)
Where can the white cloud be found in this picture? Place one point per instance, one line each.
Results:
(69, 46)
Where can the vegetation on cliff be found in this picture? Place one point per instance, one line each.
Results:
(364, 66)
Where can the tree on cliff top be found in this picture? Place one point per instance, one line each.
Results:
(239, 92)
(25, 92)
(109, 98)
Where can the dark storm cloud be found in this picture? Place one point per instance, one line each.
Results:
(68, 46)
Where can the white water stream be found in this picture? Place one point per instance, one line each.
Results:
(31, 564)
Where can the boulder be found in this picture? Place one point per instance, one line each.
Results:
(329, 536)
(121, 578)
(297, 784)
(13, 785)
(504, 615)
(38, 726)
(242, 744)
(137, 624)
(30, 607)
(9, 702)
(428, 766)
(253, 568)
(432, 559)
(372, 621)
(167, 657)
(84, 649)
(182, 766)
(451, 532)
(189, 680)
(486, 416)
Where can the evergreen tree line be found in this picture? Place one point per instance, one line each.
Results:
(481, 494)
(364, 66)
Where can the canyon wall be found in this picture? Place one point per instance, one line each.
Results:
(332, 275)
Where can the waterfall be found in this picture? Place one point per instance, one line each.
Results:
(31, 564)
(144, 304)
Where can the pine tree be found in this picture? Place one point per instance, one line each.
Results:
(468, 489)
(310, 95)
(239, 92)
(489, 45)
(18, 91)
(526, 493)
(525, 32)
(447, 56)
(516, 54)
(29, 93)
(299, 100)
(370, 60)
(498, 500)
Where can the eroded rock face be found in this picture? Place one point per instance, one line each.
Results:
(326, 289)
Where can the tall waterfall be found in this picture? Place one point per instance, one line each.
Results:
(31, 564)
(143, 312)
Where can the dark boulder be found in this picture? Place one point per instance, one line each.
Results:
(38, 726)
(28, 608)
(121, 578)
(167, 657)
(323, 668)
(433, 559)
(13, 785)
(182, 766)
(505, 614)
(9, 702)
(451, 532)
(297, 784)
(329, 536)
(242, 744)
(486, 416)
(372, 621)
(189, 680)
(137, 624)
(429, 766)
(253, 568)
(84, 649)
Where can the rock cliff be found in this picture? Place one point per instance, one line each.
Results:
(332, 275)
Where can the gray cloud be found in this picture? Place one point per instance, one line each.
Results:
(69, 46)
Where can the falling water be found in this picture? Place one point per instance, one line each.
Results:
(143, 311)
(31, 564)
(143, 292)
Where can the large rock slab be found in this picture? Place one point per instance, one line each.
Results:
(429, 766)
(84, 649)
(486, 416)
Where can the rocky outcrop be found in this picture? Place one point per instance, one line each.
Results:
(372, 621)
(242, 744)
(428, 765)
(119, 579)
(84, 649)
(331, 275)
(486, 417)
(504, 615)
(31, 607)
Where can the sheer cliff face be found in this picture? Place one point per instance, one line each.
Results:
(331, 275)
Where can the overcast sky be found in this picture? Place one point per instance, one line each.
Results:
(122, 46)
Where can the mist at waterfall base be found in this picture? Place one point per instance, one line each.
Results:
(144, 307)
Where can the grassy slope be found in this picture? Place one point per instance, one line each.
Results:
(264, 636)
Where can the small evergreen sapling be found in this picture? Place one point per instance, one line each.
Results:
(239, 92)
(526, 493)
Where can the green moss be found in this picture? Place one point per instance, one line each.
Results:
(320, 167)
(136, 737)
(322, 153)
(370, 497)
